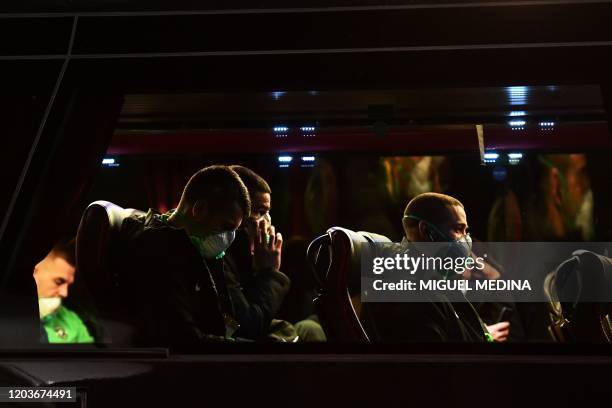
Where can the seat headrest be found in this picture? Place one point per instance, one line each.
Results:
(350, 244)
(577, 291)
(95, 243)
(107, 213)
(318, 254)
(336, 259)
(342, 243)
(585, 274)
(98, 261)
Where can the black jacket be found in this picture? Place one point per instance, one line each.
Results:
(255, 296)
(437, 317)
(172, 297)
(424, 322)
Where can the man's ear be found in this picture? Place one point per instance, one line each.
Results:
(554, 188)
(199, 210)
(424, 232)
(406, 228)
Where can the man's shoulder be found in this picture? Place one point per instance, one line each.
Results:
(149, 239)
(154, 248)
(150, 228)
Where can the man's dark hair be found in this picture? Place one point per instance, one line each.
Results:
(429, 207)
(66, 250)
(218, 186)
(253, 181)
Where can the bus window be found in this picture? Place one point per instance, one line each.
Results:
(355, 159)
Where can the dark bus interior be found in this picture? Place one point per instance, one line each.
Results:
(348, 111)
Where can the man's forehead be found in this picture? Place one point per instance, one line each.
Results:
(456, 214)
(63, 267)
(58, 269)
(261, 200)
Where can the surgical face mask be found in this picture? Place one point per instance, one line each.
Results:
(268, 219)
(463, 246)
(266, 216)
(250, 227)
(214, 246)
(48, 306)
(460, 248)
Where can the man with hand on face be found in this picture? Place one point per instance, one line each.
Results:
(173, 296)
(256, 285)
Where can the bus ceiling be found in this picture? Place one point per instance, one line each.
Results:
(410, 121)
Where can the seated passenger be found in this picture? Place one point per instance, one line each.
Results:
(53, 276)
(431, 217)
(167, 286)
(255, 283)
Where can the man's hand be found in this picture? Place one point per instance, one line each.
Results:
(267, 247)
(499, 331)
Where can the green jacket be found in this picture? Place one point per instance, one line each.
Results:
(65, 326)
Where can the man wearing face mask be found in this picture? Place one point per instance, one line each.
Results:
(432, 217)
(451, 227)
(256, 285)
(174, 297)
(53, 276)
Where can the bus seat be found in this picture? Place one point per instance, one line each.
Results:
(575, 317)
(336, 259)
(98, 249)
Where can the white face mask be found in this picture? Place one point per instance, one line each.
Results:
(268, 219)
(214, 245)
(47, 306)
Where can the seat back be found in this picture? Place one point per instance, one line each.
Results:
(574, 318)
(98, 253)
(336, 259)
